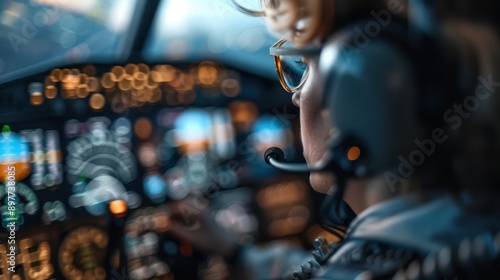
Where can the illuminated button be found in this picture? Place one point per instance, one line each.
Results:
(353, 153)
(56, 75)
(153, 79)
(155, 188)
(50, 92)
(36, 98)
(118, 71)
(143, 68)
(207, 74)
(167, 73)
(131, 69)
(93, 84)
(97, 101)
(126, 83)
(118, 207)
(82, 91)
(107, 80)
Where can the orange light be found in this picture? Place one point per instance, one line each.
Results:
(187, 82)
(118, 207)
(126, 83)
(118, 71)
(154, 78)
(82, 91)
(97, 101)
(353, 153)
(55, 75)
(93, 84)
(65, 72)
(167, 73)
(155, 95)
(139, 81)
(23, 170)
(84, 79)
(49, 81)
(207, 74)
(131, 69)
(53, 156)
(143, 68)
(107, 80)
(243, 114)
(36, 98)
(162, 221)
(70, 82)
(50, 92)
(143, 128)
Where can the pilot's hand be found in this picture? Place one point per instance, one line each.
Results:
(191, 221)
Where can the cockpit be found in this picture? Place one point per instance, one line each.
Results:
(111, 110)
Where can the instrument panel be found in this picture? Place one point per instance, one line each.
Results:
(90, 168)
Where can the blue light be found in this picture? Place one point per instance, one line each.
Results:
(13, 148)
(155, 188)
(193, 126)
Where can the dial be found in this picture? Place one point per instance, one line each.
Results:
(99, 191)
(82, 253)
(22, 198)
(98, 168)
(96, 154)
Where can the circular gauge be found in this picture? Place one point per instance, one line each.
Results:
(98, 192)
(25, 201)
(96, 154)
(14, 155)
(82, 253)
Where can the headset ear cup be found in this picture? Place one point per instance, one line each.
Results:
(371, 94)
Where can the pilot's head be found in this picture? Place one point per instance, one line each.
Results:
(306, 27)
(371, 88)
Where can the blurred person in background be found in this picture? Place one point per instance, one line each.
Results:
(425, 119)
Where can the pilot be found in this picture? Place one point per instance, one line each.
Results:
(407, 122)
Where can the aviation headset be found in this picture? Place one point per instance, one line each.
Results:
(381, 125)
